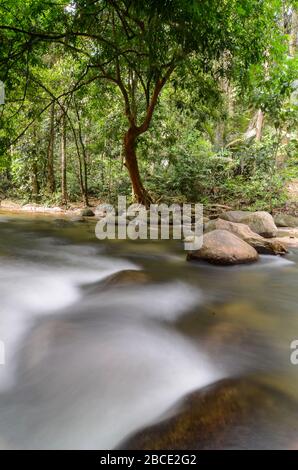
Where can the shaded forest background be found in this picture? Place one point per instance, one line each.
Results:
(160, 101)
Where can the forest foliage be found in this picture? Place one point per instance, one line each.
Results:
(173, 100)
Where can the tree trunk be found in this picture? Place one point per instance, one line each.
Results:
(34, 168)
(259, 125)
(63, 162)
(131, 163)
(51, 184)
(293, 33)
(83, 181)
(83, 194)
(85, 165)
(219, 135)
(35, 182)
(86, 199)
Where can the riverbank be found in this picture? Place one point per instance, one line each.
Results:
(288, 236)
(73, 209)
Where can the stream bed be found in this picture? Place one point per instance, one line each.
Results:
(197, 357)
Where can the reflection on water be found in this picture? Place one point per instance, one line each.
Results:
(86, 370)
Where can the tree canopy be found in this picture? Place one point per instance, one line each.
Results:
(140, 61)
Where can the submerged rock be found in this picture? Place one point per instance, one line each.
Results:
(261, 245)
(260, 222)
(63, 223)
(285, 220)
(87, 212)
(120, 279)
(127, 276)
(78, 219)
(211, 419)
(225, 248)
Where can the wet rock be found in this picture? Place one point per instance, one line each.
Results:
(241, 230)
(285, 220)
(260, 244)
(260, 222)
(211, 419)
(87, 213)
(268, 247)
(120, 279)
(234, 216)
(225, 248)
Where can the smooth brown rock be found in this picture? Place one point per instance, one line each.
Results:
(268, 247)
(234, 216)
(120, 279)
(211, 419)
(285, 220)
(87, 212)
(260, 222)
(225, 248)
(261, 245)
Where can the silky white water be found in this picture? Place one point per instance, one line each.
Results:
(88, 366)
(84, 371)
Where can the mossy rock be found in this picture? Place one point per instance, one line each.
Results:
(125, 278)
(211, 419)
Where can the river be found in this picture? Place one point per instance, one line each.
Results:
(87, 369)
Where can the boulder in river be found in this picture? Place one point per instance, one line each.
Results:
(123, 278)
(225, 248)
(234, 216)
(87, 212)
(262, 245)
(268, 247)
(212, 418)
(260, 222)
(285, 220)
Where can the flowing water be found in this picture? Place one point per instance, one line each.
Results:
(87, 369)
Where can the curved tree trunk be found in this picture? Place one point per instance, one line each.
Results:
(35, 182)
(293, 33)
(259, 125)
(63, 162)
(131, 163)
(51, 183)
